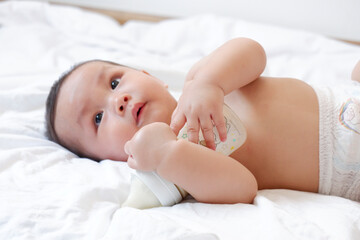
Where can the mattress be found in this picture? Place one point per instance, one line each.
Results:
(46, 192)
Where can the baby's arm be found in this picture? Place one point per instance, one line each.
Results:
(207, 175)
(231, 66)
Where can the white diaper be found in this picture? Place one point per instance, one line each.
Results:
(339, 140)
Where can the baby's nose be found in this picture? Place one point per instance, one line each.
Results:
(121, 103)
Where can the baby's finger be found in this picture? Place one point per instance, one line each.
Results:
(132, 162)
(127, 148)
(193, 130)
(220, 124)
(177, 122)
(207, 130)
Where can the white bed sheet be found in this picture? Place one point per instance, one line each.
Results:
(47, 192)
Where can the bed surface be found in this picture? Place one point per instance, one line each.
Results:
(46, 192)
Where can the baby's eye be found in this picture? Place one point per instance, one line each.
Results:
(114, 83)
(98, 118)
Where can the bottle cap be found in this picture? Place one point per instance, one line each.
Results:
(166, 192)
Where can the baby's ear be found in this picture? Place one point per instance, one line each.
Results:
(165, 85)
(146, 72)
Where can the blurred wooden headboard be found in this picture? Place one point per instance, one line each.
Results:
(122, 16)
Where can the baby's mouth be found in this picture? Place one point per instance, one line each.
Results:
(137, 110)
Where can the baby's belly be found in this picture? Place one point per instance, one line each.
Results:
(281, 118)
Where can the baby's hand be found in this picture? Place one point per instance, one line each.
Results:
(148, 146)
(201, 106)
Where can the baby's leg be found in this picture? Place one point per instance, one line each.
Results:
(356, 72)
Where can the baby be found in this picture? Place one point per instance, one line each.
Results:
(297, 135)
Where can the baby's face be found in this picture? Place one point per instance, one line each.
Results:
(101, 106)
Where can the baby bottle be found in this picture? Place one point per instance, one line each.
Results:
(149, 190)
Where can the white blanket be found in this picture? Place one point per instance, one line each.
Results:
(46, 192)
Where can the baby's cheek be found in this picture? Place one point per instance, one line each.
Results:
(118, 144)
(116, 152)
